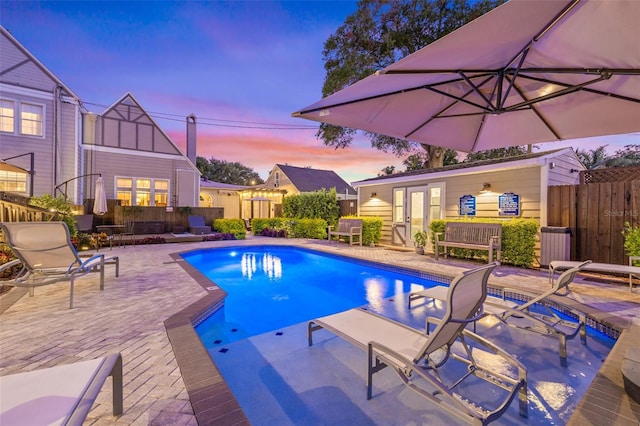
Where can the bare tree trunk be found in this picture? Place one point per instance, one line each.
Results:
(435, 156)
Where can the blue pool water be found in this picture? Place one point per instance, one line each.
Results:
(271, 287)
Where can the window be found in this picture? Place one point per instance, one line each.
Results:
(7, 116)
(161, 192)
(277, 180)
(31, 117)
(145, 192)
(124, 189)
(13, 181)
(398, 206)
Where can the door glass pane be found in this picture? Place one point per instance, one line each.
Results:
(417, 212)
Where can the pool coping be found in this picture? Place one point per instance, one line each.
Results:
(214, 403)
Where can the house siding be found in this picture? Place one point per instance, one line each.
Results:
(24, 79)
(126, 142)
(529, 179)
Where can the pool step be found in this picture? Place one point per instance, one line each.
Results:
(631, 373)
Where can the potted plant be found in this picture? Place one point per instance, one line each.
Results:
(420, 240)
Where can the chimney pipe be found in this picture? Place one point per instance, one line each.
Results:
(191, 138)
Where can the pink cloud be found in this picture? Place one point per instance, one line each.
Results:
(261, 151)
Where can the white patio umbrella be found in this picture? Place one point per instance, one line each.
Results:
(100, 202)
(524, 73)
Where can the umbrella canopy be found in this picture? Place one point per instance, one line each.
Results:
(524, 73)
(100, 202)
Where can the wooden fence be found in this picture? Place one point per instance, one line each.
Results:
(596, 214)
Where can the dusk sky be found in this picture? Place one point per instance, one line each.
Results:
(242, 67)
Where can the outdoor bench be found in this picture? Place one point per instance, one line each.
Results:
(604, 268)
(348, 228)
(472, 236)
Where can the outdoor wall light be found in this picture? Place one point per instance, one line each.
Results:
(486, 187)
(374, 195)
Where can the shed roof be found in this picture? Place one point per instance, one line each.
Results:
(503, 162)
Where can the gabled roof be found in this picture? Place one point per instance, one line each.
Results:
(129, 100)
(308, 180)
(38, 64)
(499, 163)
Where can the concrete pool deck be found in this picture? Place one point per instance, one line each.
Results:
(169, 379)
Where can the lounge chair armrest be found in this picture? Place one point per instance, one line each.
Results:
(93, 261)
(10, 264)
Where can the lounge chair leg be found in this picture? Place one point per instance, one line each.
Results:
(116, 373)
(71, 295)
(523, 406)
(583, 333)
(563, 349)
(370, 357)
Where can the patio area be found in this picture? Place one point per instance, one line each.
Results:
(136, 315)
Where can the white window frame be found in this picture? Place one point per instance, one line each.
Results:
(399, 201)
(13, 118)
(151, 191)
(42, 123)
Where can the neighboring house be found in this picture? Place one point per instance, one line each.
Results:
(298, 180)
(225, 195)
(498, 188)
(140, 164)
(40, 124)
(45, 130)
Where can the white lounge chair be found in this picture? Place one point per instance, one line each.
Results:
(47, 256)
(440, 292)
(59, 395)
(546, 321)
(423, 359)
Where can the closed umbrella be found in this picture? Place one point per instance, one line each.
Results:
(526, 72)
(100, 202)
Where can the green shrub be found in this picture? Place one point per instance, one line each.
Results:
(315, 205)
(518, 240)
(231, 226)
(293, 228)
(62, 208)
(371, 229)
(631, 240)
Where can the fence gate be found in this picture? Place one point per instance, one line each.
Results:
(596, 214)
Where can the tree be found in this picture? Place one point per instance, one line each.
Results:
(378, 34)
(598, 158)
(420, 160)
(628, 156)
(594, 158)
(512, 151)
(225, 172)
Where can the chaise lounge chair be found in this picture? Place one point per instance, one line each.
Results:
(47, 256)
(197, 226)
(424, 360)
(59, 395)
(547, 321)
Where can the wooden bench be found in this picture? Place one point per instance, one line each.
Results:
(348, 228)
(604, 268)
(472, 236)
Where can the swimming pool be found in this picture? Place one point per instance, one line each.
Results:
(277, 379)
(271, 287)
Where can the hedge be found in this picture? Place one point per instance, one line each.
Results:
(371, 229)
(518, 240)
(294, 228)
(231, 226)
